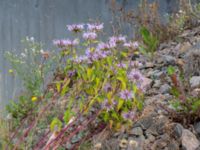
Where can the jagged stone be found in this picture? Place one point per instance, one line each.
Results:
(192, 62)
(195, 82)
(189, 140)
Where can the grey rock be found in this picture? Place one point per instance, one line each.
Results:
(163, 46)
(156, 74)
(159, 75)
(151, 72)
(136, 143)
(192, 62)
(178, 129)
(196, 92)
(157, 128)
(189, 140)
(165, 88)
(195, 82)
(173, 145)
(147, 84)
(158, 145)
(145, 122)
(112, 143)
(136, 131)
(169, 59)
(157, 84)
(150, 137)
(197, 128)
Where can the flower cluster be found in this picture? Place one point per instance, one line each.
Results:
(107, 87)
(129, 115)
(103, 46)
(75, 27)
(91, 56)
(131, 45)
(95, 27)
(96, 54)
(66, 43)
(136, 77)
(122, 65)
(80, 59)
(126, 95)
(117, 39)
(108, 105)
(71, 73)
(89, 35)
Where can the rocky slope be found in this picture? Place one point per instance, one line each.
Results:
(157, 129)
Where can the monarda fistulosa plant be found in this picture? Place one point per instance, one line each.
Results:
(101, 88)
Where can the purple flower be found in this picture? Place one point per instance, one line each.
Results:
(112, 43)
(128, 115)
(60, 43)
(71, 73)
(135, 76)
(103, 54)
(75, 27)
(132, 45)
(114, 40)
(66, 43)
(108, 105)
(117, 39)
(126, 95)
(95, 27)
(121, 38)
(107, 87)
(91, 55)
(96, 55)
(121, 65)
(80, 59)
(89, 35)
(103, 46)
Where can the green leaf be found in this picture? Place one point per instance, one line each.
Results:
(67, 116)
(115, 115)
(89, 72)
(105, 116)
(58, 86)
(120, 104)
(170, 70)
(139, 105)
(123, 82)
(55, 125)
(174, 91)
(65, 87)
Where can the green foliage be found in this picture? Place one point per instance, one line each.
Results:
(170, 70)
(183, 101)
(150, 42)
(32, 67)
(19, 110)
(4, 130)
(56, 125)
(84, 86)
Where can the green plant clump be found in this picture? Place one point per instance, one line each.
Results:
(184, 101)
(98, 85)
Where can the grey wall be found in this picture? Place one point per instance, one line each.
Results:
(46, 20)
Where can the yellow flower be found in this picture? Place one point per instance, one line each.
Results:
(34, 98)
(10, 71)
